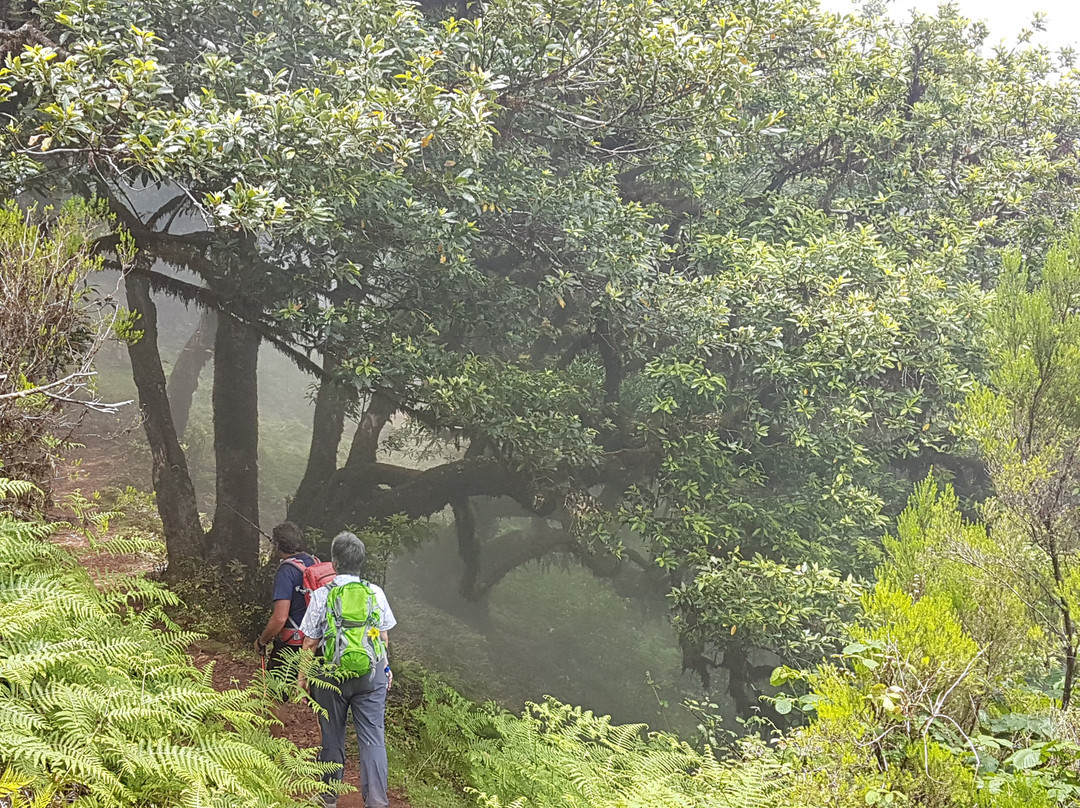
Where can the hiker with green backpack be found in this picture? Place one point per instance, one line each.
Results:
(348, 620)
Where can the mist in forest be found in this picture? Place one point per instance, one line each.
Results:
(548, 628)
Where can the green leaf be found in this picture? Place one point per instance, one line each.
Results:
(1023, 759)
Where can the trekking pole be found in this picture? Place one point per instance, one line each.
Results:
(262, 662)
(264, 535)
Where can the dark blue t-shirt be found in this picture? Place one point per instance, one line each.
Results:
(287, 583)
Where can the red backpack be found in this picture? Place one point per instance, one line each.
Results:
(318, 574)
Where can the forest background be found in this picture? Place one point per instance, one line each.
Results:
(711, 366)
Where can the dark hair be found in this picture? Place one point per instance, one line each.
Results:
(288, 537)
(347, 552)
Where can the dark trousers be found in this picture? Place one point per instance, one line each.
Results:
(275, 655)
(366, 697)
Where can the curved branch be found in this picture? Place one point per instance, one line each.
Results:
(208, 299)
(352, 496)
(511, 550)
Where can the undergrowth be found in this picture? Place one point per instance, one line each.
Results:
(449, 752)
(101, 706)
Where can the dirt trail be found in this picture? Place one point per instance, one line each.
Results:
(300, 725)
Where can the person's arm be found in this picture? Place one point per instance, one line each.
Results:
(388, 622)
(278, 618)
(385, 637)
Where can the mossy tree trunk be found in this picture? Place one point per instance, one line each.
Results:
(184, 538)
(235, 534)
(331, 402)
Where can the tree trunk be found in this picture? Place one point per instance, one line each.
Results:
(184, 379)
(365, 445)
(468, 546)
(329, 422)
(235, 535)
(1068, 627)
(175, 494)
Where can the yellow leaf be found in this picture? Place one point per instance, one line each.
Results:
(426, 140)
(46, 143)
(733, 628)
(562, 303)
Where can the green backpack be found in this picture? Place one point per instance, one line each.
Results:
(353, 641)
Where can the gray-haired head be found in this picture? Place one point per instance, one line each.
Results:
(348, 553)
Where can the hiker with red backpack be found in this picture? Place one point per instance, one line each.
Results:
(290, 594)
(348, 620)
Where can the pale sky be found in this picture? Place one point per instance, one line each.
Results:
(1005, 18)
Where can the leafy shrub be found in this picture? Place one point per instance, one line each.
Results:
(922, 708)
(101, 706)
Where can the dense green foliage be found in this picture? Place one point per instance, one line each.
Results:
(940, 699)
(100, 704)
(694, 294)
(1027, 425)
(722, 310)
(564, 757)
(954, 687)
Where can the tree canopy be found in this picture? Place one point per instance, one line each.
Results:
(695, 283)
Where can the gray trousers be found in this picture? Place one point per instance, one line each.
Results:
(366, 697)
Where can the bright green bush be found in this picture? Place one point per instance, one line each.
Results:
(939, 553)
(101, 706)
(924, 708)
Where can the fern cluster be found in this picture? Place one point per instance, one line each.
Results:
(557, 756)
(100, 704)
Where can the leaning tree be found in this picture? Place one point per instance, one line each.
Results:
(691, 285)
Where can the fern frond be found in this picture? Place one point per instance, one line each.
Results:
(101, 706)
(16, 489)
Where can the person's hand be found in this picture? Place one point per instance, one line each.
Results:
(260, 646)
(389, 678)
(302, 681)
